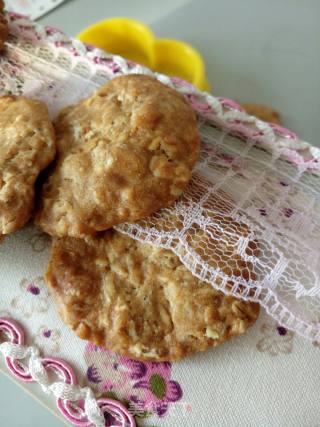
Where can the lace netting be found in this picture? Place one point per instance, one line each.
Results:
(248, 223)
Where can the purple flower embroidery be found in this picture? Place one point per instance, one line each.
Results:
(47, 333)
(147, 386)
(138, 369)
(281, 330)
(34, 290)
(156, 381)
(26, 302)
(263, 211)
(48, 339)
(288, 212)
(275, 339)
(93, 375)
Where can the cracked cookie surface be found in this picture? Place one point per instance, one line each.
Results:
(140, 300)
(27, 146)
(124, 153)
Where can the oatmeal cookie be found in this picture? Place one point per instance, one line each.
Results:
(27, 146)
(3, 26)
(263, 112)
(140, 300)
(124, 153)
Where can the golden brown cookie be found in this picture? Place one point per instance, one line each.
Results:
(140, 300)
(263, 112)
(124, 153)
(4, 31)
(27, 146)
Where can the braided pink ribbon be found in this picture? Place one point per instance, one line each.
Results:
(76, 404)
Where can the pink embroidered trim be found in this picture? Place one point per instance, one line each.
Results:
(15, 350)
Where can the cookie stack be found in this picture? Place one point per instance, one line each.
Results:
(121, 155)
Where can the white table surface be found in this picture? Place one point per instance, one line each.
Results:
(255, 50)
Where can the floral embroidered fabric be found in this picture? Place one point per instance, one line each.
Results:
(264, 177)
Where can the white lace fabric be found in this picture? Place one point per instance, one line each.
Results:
(275, 258)
(248, 223)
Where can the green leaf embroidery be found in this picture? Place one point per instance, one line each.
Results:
(158, 386)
